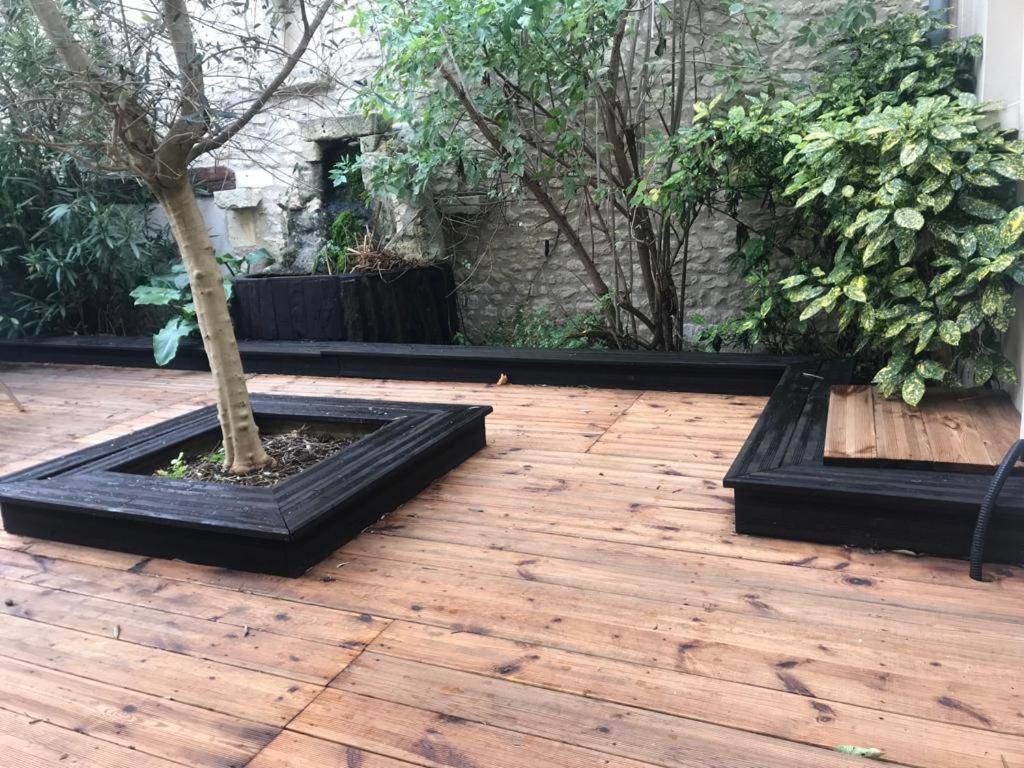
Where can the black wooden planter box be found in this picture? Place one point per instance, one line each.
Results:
(784, 490)
(415, 306)
(105, 496)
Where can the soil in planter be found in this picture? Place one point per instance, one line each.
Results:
(294, 451)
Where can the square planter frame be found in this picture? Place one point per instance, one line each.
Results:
(91, 497)
(783, 488)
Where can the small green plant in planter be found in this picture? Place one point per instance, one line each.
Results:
(345, 233)
(172, 291)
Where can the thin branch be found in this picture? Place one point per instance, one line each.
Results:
(225, 135)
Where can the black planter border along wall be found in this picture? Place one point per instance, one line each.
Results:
(783, 489)
(90, 497)
(417, 305)
(722, 373)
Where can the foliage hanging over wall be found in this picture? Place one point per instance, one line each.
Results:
(887, 208)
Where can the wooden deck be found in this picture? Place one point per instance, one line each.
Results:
(571, 596)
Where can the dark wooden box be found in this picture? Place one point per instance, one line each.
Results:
(413, 306)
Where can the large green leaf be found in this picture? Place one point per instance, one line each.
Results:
(949, 332)
(912, 152)
(983, 369)
(155, 295)
(165, 341)
(982, 209)
(931, 369)
(856, 289)
(913, 389)
(1012, 227)
(1010, 166)
(909, 218)
(824, 302)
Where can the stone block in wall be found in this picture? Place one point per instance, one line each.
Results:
(347, 127)
(238, 199)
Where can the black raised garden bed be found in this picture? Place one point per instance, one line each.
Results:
(415, 306)
(106, 496)
(783, 488)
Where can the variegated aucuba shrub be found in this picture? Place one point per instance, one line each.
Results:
(919, 198)
(886, 199)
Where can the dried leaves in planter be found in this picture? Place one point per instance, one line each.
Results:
(293, 452)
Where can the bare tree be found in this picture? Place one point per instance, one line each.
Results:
(146, 72)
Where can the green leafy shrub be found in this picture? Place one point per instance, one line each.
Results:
(173, 292)
(538, 328)
(70, 248)
(927, 254)
(73, 241)
(886, 227)
(344, 234)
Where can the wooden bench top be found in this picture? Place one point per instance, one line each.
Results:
(960, 429)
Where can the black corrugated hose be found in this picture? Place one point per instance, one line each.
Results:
(988, 505)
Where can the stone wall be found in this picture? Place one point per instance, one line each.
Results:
(505, 256)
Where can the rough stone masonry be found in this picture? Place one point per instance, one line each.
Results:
(505, 257)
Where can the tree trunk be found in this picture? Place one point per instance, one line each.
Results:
(243, 451)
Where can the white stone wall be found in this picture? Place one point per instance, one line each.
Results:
(505, 257)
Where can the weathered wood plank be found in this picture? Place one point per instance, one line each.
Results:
(850, 430)
(291, 748)
(628, 733)
(261, 698)
(962, 429)
(795, 714)
(28, 742)
(430, 736)
(153, 725)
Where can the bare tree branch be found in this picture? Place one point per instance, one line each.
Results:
(226, 134)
